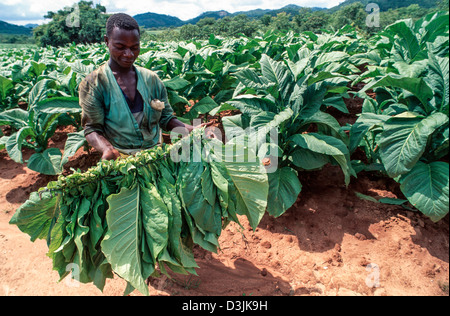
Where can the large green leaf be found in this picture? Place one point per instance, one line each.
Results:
(431, 26)
(363, 125)
(326, 124)
(178, 242)
(176, 83)
(6, 85)
(155, 220)
(410, 70)
(39, 91)
(46, 162)
(262, 125)
(279, 73)
(326, 145)
(416, 86)
(80, 232)
(298, 68)
(38, 68)
(59, 105)
(322, 144)
(283, 191)
(404, 33)
(16, 118)
(214, 64)
(265, 121)
(405, 138)
(37, 215)
(330, 57)
(426, 187)
(337, 102)
(308, 100)
(251, 80)
(248, 177)
(3, 141)
(205, 105)
(235, 125)
(206, 216)
(438, 80)
(14, 143)
(308, 159)
(122, 242)
(74, 142)
(252, 104)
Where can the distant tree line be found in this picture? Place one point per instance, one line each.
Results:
(354, 14)
(16, 39)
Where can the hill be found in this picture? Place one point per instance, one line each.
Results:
(150, 20)
(209, 14)
(289, 9)
(389, 4)
(7, 28)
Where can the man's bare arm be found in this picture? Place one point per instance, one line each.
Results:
(101, 144)
(182, 128)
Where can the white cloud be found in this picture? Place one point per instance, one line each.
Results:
(32, 11)
(29, 11)
(11, 2)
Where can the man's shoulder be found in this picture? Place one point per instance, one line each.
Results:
(95, 77)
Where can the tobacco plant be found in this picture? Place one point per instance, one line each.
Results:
(404, 131)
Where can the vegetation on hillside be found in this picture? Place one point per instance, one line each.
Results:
(7, 28)
(70, 25)
(306, 19)
(386, 5)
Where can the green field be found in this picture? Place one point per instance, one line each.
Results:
(12, 46)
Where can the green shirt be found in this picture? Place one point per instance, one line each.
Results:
(105, 109)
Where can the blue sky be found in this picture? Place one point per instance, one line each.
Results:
(32, 11)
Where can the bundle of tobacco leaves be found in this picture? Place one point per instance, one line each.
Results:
(138, 216)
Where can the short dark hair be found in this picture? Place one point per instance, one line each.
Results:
(122, 21)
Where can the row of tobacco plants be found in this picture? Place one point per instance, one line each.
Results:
(282, 82)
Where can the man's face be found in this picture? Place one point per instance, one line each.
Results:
(124, 46)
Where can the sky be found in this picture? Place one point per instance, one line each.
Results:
(23, 12)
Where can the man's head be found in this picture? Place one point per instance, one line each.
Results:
(123, 39)
(122, 21)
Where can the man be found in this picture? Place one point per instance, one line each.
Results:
(124, 107)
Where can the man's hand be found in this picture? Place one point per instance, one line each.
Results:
(204, 124)
(110, 154)
(179, 128)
